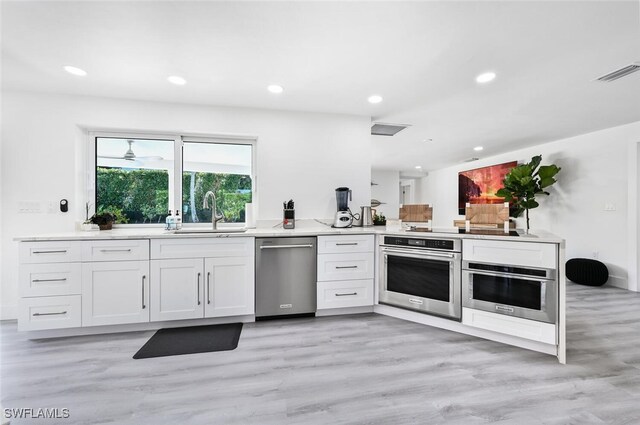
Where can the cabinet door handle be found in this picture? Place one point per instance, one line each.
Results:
(346, 267)
(199, 288)
(115, 250)
(143, 305)
(62, 251)
(62, 279)
(346, 243)
(49, 314)
(208, 287)
(346, 295)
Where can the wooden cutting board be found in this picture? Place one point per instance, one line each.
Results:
(416, 213)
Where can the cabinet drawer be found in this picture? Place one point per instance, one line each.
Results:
(348, 293)
(38, 280)
(345, 266)
(201, 247)
(533, 254)
(344, 244)
(49, 313)
(50, 252)
(115, 250)
(522, 328)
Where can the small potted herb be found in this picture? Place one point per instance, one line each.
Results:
(379, 220)
(105, 218)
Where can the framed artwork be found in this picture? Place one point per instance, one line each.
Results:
(479, 186)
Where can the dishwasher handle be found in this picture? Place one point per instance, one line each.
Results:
(286, 246)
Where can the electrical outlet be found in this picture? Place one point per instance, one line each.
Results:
(595, 255)
(609, 206)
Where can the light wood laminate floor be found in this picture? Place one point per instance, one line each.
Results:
(364, 369)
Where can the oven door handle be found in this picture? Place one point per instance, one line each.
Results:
(418, 254)
(509, 275)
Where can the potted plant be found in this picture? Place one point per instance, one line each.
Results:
(379, 220)
(524, 182)
(105, 218)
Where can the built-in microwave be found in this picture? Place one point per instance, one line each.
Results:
(525, 292)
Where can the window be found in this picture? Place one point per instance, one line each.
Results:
(141, 179)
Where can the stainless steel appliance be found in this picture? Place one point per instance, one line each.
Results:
(285, 276)
(421, 274)
(367, 217)
(525, 292)
(343, 219)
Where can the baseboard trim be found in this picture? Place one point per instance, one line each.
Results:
(8, 312)
(135, 327)
(618, 282)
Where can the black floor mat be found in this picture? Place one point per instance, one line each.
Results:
(190, 340)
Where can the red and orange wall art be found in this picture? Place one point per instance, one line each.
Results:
(479, 186)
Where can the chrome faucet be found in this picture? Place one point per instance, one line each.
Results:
(215, 217)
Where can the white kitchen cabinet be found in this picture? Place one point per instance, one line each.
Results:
(516, 326)
(229, 286)
(217, 281)
(41, 313)
(347, 293)
(531, 254)
(177, 289)
(115, 293)
(116, 250)
(345, 271)
(42, 280)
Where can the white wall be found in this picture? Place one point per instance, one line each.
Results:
(386, 190)
(594, 172)
(303, 156)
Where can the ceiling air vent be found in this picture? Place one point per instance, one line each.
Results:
(383, 129)
(619, 73)
(471, 159)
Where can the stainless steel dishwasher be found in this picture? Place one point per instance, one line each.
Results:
(285, 276)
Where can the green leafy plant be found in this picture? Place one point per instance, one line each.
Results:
(106, 217)
(524, 182)
(379, 219)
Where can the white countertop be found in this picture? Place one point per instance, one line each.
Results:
(305, 228)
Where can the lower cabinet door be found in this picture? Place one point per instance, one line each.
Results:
(229, 286)
(177, 289)
(115, 293)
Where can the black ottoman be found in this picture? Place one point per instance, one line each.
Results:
(587, 272)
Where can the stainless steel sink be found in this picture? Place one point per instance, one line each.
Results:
(231, 230)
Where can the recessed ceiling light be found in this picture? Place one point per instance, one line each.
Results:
(274, 88)
(418, 167)
(486, 77)
(75, 71)
(478, 148)
(374, 99)
(427, 140)
(178, 81)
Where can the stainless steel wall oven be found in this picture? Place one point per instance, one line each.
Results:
(421, 274)
(525, 292)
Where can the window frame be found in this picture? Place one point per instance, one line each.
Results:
(175, 192)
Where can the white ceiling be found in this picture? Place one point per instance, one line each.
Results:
(422, 57)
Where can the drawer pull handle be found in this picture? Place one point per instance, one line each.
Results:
(143, 305)
(115, 250)
(346, 243)
(61, 251)
(346, 295)
(62, 279)
(49, 314)
(346, 267)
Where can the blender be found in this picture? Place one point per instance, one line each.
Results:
(343, 218)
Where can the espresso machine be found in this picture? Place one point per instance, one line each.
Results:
(344, 218)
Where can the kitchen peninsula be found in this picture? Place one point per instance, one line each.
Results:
(110, 281)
